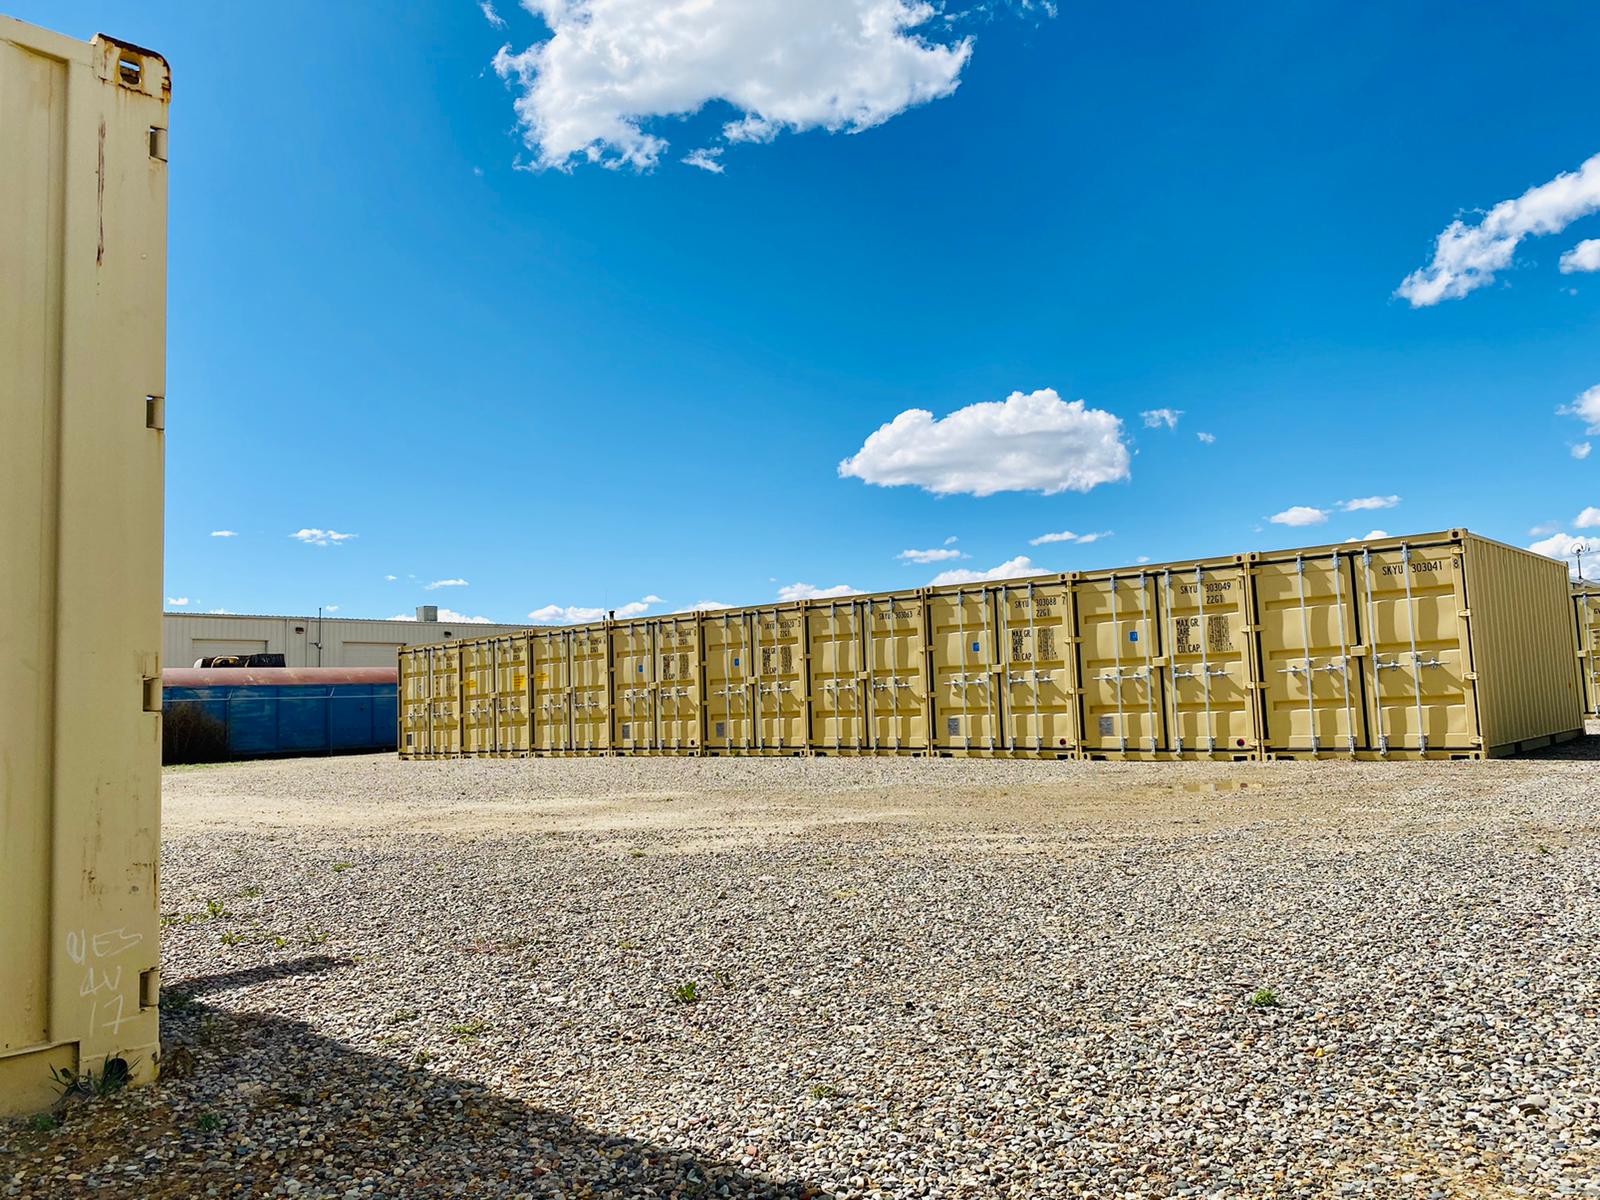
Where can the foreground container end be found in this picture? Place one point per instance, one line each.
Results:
(1586, 611)
(1437, 646)
(83, 251)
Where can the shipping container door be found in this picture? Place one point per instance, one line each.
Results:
(511, 694)
(634, 665)
(479, 726)
(416, 725)
(552, 691)
(835, 637)
(1039, 714)
(1207, 652)
(1586, 606)
(1123, 708)
(1312, 667)
(678, 684)
(895, 689)
(966, 692)
(777, 680)
(591, 688)
(727, 672)
(445, 671)
(1412, 599)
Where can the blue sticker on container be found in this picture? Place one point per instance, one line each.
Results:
(641, 668)
(736, 662)
(1133, 635)
(977, 647)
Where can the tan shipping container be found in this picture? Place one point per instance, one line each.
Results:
(571, 702)
(1435, 646)
(656, 676)
(1003, 669)
(1586, 610)
(494, 695)
(83, 253)
(1166, 659)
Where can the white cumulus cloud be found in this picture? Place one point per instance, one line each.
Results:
(1570, 549)
(1034, 442)
(177, 601)
(810, 591)
(1161, 418)
(1367, 503)
(1585, 256)
(390, 578)
(1066, 535)
(705, 606)
(1466, 256)
(446, 615)
(944, 554)
(706, 159)
(579, 614)
(486, 7)
(1300, 514)
(1372, 536)
(1589, 518)
(321, 537)
(1012, 568)
(444, 583)
(1581, 450)
(1207, 438)
(593, 90)
(1586, 408)
(223, 533)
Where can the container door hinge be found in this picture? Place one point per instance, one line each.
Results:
(152, 694)
(155, 412)
(1471, 677)
(150, 988)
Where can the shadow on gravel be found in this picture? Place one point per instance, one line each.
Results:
(1579, 749)
(250, 1102)
(223, 981)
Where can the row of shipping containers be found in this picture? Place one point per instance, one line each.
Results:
(1443, 645)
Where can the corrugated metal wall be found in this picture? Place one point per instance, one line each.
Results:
(346, 642)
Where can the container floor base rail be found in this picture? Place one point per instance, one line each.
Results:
(1247, 753)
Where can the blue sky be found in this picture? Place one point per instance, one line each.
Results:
(405, 306)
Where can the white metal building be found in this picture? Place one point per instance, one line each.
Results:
(307, 641)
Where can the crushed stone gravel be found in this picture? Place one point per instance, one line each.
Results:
(864, 978)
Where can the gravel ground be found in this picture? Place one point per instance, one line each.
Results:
(796, 978)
